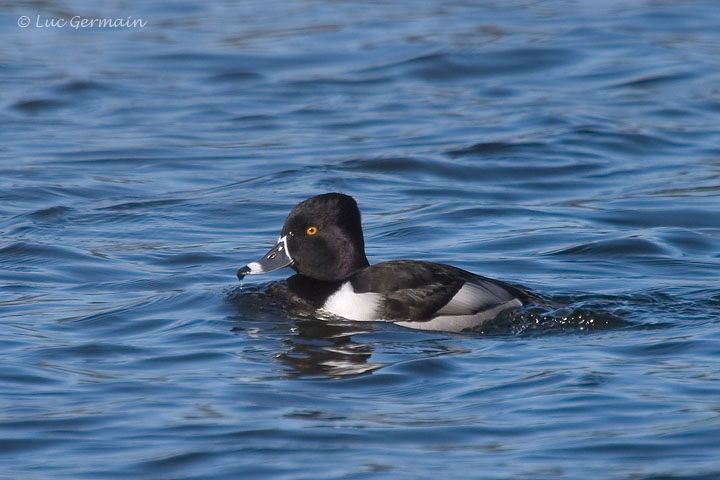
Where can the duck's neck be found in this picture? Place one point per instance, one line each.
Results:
(350, 260)
(311, 290)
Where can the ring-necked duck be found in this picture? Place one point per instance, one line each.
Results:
(322, 240)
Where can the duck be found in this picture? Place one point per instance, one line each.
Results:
(322, 240)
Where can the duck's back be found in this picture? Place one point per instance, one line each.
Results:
(435, 296)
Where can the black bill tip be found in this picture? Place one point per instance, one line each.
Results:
(242, 272)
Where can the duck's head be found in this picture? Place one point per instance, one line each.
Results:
(322, 238)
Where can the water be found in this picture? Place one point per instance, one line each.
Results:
(571, 147)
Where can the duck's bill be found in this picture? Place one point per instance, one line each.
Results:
(277, 258)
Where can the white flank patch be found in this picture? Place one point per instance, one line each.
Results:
(255, 268)
(458, 323)
(353, 306)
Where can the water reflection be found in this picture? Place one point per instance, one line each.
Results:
(324, 348)
(310, 346)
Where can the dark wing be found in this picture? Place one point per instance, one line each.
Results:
(419, 291)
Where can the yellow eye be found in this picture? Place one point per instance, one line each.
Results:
(311, 230)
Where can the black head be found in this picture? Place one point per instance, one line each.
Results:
(322, 238)
(325, 238)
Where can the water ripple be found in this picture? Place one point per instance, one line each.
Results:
(567, 147)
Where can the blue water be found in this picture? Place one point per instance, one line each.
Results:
(570, 147)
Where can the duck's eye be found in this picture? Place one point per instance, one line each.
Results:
(311, 230)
